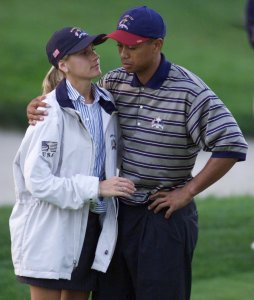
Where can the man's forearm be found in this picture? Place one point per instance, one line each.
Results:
(215, 169)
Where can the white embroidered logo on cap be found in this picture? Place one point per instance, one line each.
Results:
(78, 32)
(125, 21)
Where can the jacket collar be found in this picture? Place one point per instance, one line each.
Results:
(158, 77)
(64, 100)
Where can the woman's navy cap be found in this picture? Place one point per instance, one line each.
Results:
(137, 25)
(70, 40)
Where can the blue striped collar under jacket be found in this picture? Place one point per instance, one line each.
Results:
(64, 100)
(74, 95)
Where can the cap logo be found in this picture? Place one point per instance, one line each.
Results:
(56, 53)
(126, 20)
(78, 32)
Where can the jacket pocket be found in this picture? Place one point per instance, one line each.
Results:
(27, 226)
(18, 223)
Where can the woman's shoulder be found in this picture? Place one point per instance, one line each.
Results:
(51, 98)
(53, 107)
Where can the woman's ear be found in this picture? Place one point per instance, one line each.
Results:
(62, 66)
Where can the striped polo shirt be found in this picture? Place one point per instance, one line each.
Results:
(165, 123)
(91, 117)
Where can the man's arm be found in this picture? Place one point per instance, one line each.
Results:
(215, 169)
(33, 113)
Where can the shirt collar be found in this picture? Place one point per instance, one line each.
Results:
(158, 77)
(64, 99)
(74, 95)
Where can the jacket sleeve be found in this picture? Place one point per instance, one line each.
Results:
(42, 159)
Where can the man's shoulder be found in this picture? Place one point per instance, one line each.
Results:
(186, 78)
(112, 79)
(182, 73)
(116, 73)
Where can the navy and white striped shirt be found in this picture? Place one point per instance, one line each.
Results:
(91, 117)
(165, 123)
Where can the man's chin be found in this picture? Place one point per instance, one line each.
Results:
(128, 68)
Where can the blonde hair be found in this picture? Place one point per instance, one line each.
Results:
(51, 80)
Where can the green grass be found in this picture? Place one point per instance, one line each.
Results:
(10, 289)
(208, 37)
(238, 286)
(223, 266)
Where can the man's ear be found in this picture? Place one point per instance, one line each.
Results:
(158, 43)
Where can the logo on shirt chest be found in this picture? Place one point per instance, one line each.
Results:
(157, 123)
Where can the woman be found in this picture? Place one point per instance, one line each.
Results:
(65, 179)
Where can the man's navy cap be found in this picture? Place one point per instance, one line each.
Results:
(137, 25)
(70, 40)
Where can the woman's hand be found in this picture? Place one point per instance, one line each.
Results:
(116, 186)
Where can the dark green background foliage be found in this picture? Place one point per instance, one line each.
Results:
(207, 37)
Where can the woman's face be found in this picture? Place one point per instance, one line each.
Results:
(84, 64)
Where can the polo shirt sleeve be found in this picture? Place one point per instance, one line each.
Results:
(213, 128)
(109, 80)
(103, 83)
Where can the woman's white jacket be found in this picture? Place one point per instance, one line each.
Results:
(54, 189)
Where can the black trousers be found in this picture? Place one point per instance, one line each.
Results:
(153, 256)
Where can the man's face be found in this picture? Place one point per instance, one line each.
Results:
(139, 58)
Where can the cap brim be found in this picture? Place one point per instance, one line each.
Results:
(126, 38)
(85, 42)
(99, 39)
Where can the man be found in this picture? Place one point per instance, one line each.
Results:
(167, 115)
(249, 20)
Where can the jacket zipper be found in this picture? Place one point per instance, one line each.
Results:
(76, 244)
(116, 206)
(75, 262)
